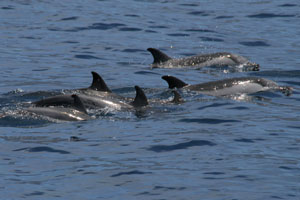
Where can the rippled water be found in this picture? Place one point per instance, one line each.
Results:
(206, 148)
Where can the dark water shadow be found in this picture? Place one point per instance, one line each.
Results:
(245, 140)
(130, 29)
(184, 145)
(199, 13)
(36, 193)
(208, 121)
(86, 57)
(164, 188)
(7, 8)
(224, 17)
(134, 172)
(255, 44)
(200, 30)
(287, 5)
(43, 149)
(210, 39)
(146, 73)
(69, 18)
(97, 26)
(178, 34)
(133, 50)
(269, 15)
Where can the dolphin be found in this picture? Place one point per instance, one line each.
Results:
(231, 86)
(220, 59)
(75, 113)
(98, 88)
(94, 101)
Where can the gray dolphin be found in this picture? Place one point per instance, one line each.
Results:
(95, 101)
(221, 59)
(98, 88)
(75, 113)
(231, 86)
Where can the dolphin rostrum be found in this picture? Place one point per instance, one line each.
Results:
(231, 86)
(221, 59)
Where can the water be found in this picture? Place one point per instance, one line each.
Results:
(206, 148)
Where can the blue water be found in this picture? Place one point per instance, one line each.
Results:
(207, 148)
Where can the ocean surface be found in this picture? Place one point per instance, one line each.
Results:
(242, 148)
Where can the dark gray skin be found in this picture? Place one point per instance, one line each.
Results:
(221, 59)
(232, 86)
(76, 112)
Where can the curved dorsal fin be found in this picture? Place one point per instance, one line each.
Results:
(78, 104)
(174, 82)
(159, 57)
(98, 83)
(177, 97)
(140, 98)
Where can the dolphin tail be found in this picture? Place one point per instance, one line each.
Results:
(159, 57)
(98, 83)
(140, 98)
(177, 97)
(78, 104)
(287, 91)
(174, 82)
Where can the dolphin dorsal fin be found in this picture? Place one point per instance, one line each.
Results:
(174, 82)
(177, 97)
(140, 98)
(98, 83)
(159, 57)
(78, 104)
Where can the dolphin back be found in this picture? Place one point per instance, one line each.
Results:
(59, 100)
